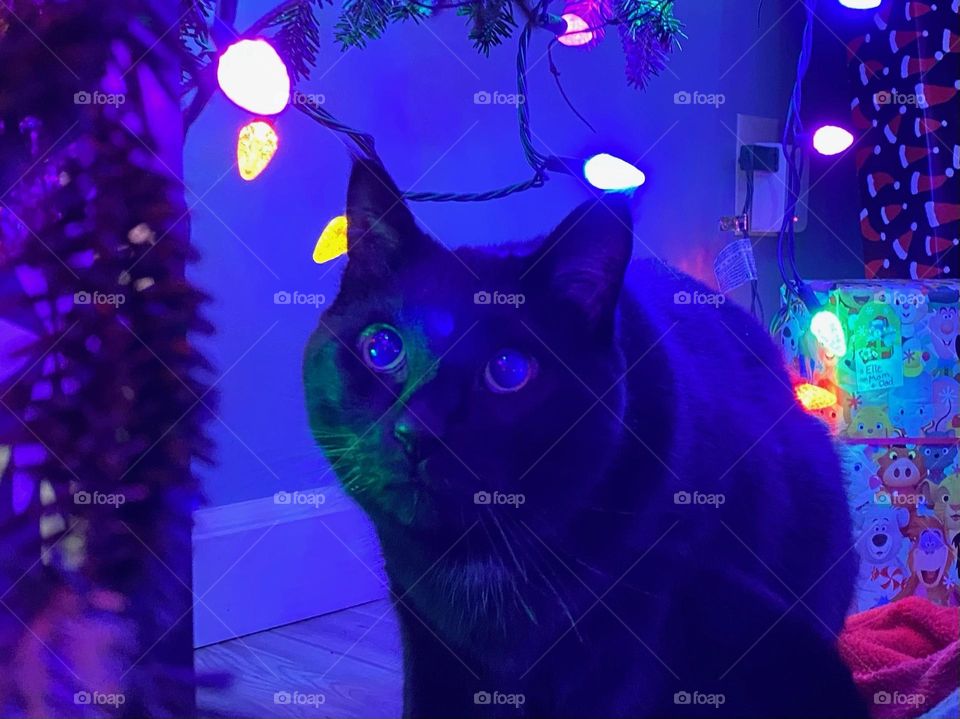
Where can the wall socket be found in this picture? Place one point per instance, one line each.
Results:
(769, 188)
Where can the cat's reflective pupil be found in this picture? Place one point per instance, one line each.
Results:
(508, 371)
(383, 348)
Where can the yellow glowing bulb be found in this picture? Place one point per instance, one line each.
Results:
(827, 329)
(333, 240)
(813, 397)
(256, 146)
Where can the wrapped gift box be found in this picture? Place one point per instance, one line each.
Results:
(896, 416)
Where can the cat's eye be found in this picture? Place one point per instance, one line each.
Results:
(509, 371)
(382, 348)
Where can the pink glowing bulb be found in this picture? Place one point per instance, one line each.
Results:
(831, 140)
(253, 76)
(577, 33)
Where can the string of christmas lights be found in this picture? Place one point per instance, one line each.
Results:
(253, 71)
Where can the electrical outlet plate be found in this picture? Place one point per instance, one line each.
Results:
(769, 188)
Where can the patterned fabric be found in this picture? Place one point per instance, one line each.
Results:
(889, 578)
(896, 417)
(904, 70)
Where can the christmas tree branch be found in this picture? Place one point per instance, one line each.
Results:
(97, 254)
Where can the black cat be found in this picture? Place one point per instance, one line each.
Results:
(595, 492)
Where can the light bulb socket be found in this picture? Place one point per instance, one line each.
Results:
(565, 165)
(554, 23)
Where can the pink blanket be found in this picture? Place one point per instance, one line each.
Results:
(905, 656)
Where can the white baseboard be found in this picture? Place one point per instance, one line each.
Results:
(264, 563)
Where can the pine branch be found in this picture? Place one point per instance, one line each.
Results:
(648, 32)
(362, 20)
(415, 10)
(195, 21)
(491, 22)
(297, 37)
(195, 42)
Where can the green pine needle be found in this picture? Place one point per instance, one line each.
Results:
(362, 20)
(491, 22)
(648, 32)
(194, 21)
(297, 37)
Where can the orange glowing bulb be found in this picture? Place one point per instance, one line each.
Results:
(256, 146)
(813, 397)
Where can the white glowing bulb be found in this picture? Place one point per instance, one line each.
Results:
(253, 76)
(826, 327)
(606, 172)
(831, 140)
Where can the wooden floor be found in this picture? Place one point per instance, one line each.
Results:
(345, 664)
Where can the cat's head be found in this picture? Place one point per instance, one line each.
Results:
(444, 384)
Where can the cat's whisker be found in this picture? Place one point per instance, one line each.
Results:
(517, 563)
(500, 616)
(549, 585)
(537, 550)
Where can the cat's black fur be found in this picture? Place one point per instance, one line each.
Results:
(600, 595)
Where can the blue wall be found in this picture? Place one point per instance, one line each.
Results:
(413, 90)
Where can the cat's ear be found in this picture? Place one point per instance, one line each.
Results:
(381, 230)
(584, 259)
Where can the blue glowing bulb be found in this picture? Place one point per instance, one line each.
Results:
(606, 172)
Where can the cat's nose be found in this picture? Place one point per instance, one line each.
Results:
(407, 434)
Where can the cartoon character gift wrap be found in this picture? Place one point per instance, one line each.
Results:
(883, 374)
